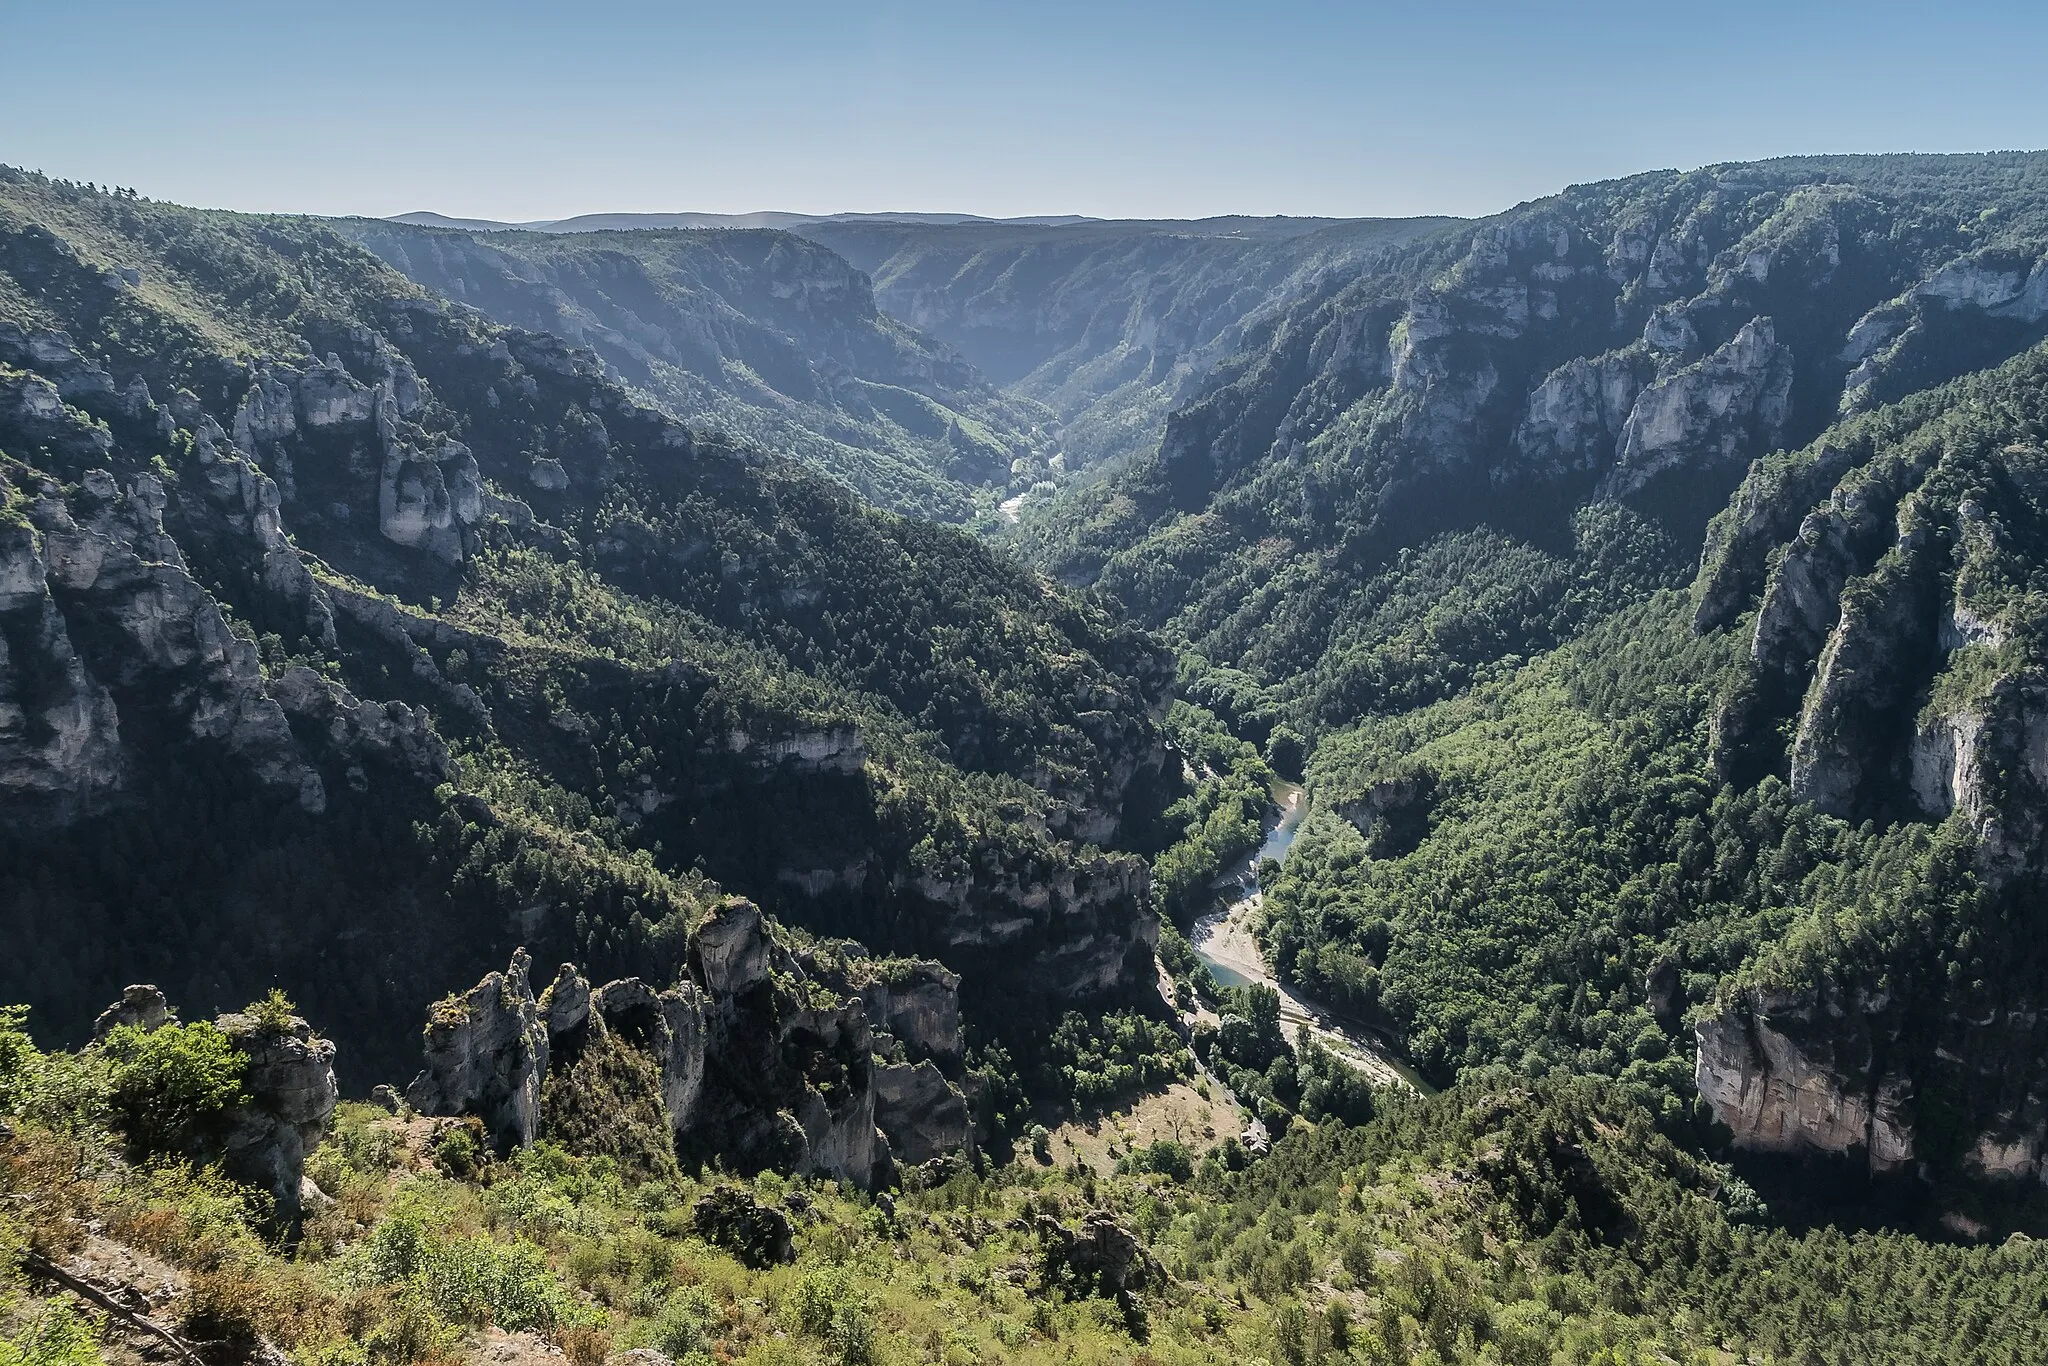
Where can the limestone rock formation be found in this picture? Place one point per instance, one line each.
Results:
(762, 1060)
(142, 1007)
(60, 742)
(1101, 1257)
(922, 1113)
(1910, 341)
(289, 1089)
(1722, 410)
(1862, 682)
(1789, 1076)
(292, 1095)
(486, 1055)
(920, 1006)
(670, 1026)
(1577, 415)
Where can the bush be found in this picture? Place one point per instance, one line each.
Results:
(168, 1086)
(54, 1336)
(829, 1304)
(19, 1059)
(1165, 1158)
(274, 1014)
(460, 1150)
(685, 1323)
(466, 1280)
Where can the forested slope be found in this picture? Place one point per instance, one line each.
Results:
(1466, 451)
(352, 639)
(1111, 325)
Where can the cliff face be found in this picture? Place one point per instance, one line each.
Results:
(1788, 1075)
(114, 650)
(1894, 675)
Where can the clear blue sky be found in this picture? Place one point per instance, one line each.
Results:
(517, 110)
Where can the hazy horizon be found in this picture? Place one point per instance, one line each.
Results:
(521, 111)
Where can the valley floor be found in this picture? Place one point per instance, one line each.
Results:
(1226, 941)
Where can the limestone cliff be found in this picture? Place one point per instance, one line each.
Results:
(1893, 676)
(1788, 1075)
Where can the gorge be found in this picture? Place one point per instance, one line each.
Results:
(700, 790)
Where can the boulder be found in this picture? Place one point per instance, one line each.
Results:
(1102, 1257)
(142, 1006)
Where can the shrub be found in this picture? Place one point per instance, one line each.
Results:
(274, 1014)
(684, 1324)
(19, 1058)
(459, 1150)
(168, 1086)
(830, 1304)
(467, 1280)
(1167, 1158)
(54, 1336)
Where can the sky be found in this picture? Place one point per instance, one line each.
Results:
(525, 111)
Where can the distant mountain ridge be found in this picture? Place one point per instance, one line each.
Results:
(768, 218)
(1109, 324)
(752, 331)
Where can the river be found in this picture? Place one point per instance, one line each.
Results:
(1227, 941)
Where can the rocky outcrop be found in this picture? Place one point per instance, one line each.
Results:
(292, 1094)
(1721, 411)
(162, 646)
(487, 1055)
(1397, 800)
(388, 733)
(1101, 1257)
(1803, 599)
(1985, 757)
(61, 756)
(1911, 341)
(1787, 1075)
(1086, 929)
(840, 751)
(1576, 417)
(761, 1061)
(669, 1025)
(789, 1068)
(141, 1007)
(288, 1089)
(919, 1005)
(730, 952)
(1853, 725)
(923, 1114)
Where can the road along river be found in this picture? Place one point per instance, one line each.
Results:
(1226, 940)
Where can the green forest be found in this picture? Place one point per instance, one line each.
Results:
(876, 662)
